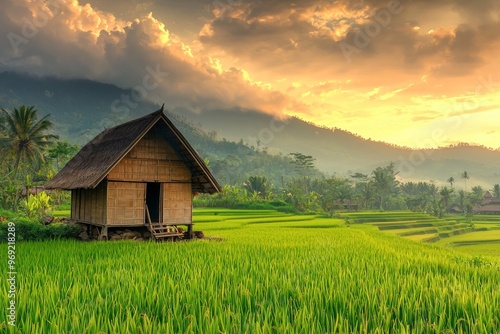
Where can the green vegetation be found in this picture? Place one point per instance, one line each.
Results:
(30, 157)
(266, 272)
(29, 229)
(477, 235)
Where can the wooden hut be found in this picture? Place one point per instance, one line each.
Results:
(489, 205)
(140, 173)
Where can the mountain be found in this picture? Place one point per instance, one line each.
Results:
(341, 152)
(81, 108)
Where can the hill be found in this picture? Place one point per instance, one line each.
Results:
(339, 151)
(83, 108)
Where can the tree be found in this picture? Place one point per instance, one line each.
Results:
(445, 196)
(496, 190)
(257, 184)
(26, 136)
(476, 195)
(62, 152)
(451, 180)
(385, 181)
(302, 162)
(359, 177)
(465, 176)
(367, 191)
(462, 199)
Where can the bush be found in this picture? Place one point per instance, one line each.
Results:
(36, 205)
(278, 203)
(29, 230)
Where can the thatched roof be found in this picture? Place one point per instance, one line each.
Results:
(96, 159)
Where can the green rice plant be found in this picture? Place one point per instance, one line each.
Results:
(267, 277)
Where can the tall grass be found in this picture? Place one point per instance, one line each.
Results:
(264, 278)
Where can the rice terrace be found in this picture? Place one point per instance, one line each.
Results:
(263, 271)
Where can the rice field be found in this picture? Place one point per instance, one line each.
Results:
(480, 236)
(267, 272)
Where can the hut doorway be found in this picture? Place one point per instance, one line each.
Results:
(153, 199)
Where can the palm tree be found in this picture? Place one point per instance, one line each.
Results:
(257, 184)
(26, 137)
(445, 196)
(384, 180)
(465, 176)
(451, 180)
(462, 199)
(367, 192)
(496, 190)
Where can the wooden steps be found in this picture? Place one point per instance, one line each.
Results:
(162, 231)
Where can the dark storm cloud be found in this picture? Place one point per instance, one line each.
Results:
(69, 40)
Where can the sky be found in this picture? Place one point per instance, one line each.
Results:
(417, 73)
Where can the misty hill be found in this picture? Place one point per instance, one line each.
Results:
(82, 108)
(341, 152)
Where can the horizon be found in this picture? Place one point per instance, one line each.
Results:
(396, 72)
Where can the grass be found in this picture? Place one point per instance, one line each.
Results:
(479, 236)
(280, 274)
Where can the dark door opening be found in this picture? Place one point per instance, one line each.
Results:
(153, 201)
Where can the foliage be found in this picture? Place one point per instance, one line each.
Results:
(24, 141)
(61, 153)
(302, 162)
(26, 136)
(257, 185)
(31, 230)
(451, 180)
(465, 175)
(385, 181)
(496, 190)
(35, 206)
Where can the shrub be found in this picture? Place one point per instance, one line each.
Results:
(35, 206)
(29, 230)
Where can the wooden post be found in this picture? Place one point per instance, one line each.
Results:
(148, 217)
(103, 235)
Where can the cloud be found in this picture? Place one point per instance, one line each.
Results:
(371, 66)
(351, 37)
(66, 39)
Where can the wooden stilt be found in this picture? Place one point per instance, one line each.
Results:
(103, 235)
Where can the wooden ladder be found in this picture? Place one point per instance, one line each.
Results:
(162, 231)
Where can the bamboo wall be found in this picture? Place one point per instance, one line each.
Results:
(151, 160)
(126, 203)
(177, 203)
(89, 204)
